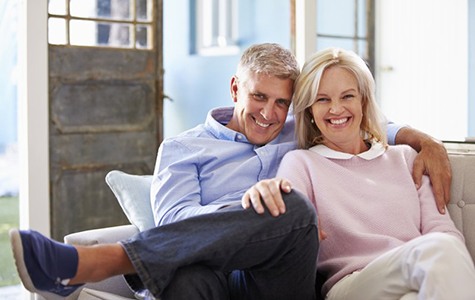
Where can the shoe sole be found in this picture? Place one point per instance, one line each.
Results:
(17, 247)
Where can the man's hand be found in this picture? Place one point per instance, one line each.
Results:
(432, 160)
(269, 192)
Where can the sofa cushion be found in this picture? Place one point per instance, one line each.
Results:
(133, 194)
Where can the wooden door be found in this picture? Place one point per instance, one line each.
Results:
(105, 113)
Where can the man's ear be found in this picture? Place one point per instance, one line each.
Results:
(234, 88)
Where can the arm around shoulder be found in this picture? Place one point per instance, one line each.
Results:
(432, 160)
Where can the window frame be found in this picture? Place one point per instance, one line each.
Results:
(133, 22)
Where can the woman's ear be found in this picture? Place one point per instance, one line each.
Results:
(234, 88)
(309, 112)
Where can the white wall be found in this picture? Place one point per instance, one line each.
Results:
(422, 59)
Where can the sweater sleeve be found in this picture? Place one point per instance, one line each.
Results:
(431, 219)
(295, 168)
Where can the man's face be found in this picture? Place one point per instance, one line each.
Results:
(261, 106)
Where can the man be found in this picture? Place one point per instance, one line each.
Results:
(206, 246)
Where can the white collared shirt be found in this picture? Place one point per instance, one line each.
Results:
(376, 149)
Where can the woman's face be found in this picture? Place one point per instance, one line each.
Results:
(338, 111)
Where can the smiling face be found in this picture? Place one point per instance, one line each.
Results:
(338, 111)
(261, 106)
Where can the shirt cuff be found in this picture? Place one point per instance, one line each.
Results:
(392, 131)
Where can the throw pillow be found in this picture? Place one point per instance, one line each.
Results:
(133, 194)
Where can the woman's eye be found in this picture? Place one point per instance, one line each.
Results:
(348, 96)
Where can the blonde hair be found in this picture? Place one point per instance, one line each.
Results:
(306, 89)
(268, 59)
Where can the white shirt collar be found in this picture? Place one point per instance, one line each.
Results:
(377, 149)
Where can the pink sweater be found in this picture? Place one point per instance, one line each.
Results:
(366, 207)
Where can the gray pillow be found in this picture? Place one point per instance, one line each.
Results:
(133, 194)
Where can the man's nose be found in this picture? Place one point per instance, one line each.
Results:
(267, 111)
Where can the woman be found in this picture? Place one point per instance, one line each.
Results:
(384, 237)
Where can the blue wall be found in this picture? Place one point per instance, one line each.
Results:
(8, 85)
(198, 83)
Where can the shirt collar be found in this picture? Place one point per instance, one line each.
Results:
(217, 120)
(376, 149)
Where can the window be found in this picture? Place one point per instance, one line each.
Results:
(215, 27)
(101, 23)
(347, 24)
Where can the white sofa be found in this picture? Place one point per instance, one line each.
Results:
(461, 208)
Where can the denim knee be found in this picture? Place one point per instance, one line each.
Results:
(298, 204)
(197, 282)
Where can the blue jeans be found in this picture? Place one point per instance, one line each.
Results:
(231, 254)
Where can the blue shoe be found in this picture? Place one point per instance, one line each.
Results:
(43, 264)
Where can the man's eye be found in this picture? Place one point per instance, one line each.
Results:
(258, 96)
(283, 102)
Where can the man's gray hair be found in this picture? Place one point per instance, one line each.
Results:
(268, 59)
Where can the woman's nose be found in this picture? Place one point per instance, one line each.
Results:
(336, 107)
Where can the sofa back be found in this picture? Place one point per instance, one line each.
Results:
(462, 196)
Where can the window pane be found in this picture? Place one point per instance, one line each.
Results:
(358, 46)
(362, 32)
(324, 42)
(144, 10)
(107, 9)
(57, 31)
(336, 17)
(90, 33)
(57, 7)
(143, 37)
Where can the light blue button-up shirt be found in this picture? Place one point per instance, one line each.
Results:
(211, 166)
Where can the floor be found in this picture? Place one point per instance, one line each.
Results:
(11, 292)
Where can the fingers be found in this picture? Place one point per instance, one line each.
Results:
(433, 161)
(418, 171)
(285, 186)
(439, 194)
(267, 194)
(321, 233)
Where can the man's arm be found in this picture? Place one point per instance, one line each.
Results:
(432, 160)
(176, 191)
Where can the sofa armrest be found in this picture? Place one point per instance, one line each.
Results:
(101, 235)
